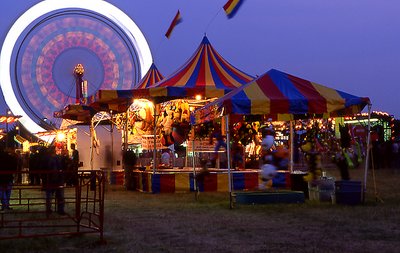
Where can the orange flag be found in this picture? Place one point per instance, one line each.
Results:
(177, 19)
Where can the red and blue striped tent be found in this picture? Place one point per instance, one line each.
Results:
(120, 100)
(152, 77)
(282, 96)
(206, 73)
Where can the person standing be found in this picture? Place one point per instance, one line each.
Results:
(34, 167)
(19, 158)
(220, 142)
(166, 158)
(395, 155)
(8, 166)
(54, 183)
(73, 167)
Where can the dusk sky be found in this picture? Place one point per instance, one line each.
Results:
(350, 45)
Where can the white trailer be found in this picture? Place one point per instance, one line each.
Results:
(108, 154)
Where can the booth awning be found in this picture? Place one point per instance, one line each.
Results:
(282, 96)
(76, 112)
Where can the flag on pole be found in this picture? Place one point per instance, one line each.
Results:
(231, 7)
(177, 19)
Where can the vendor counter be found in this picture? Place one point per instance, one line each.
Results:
(182, 180)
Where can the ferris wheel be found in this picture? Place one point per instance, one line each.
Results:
(44, 45)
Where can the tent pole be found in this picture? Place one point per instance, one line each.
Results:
(126, 131)
(91, 143)
(154, 140)
(368, 151)
(194, 167)
(228, 154)
(291, 136)
(193, 158)
(112, 140)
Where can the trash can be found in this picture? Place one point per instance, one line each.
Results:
(322, 189)
(348, 192)
(298, 183)
(326, 189)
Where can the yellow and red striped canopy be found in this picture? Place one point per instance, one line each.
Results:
(207, 69)
(282, 96)
(206, 73)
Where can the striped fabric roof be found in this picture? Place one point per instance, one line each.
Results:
(206, 73)
(152, 77)
(208, 70)
(282, 96)
(115, 100)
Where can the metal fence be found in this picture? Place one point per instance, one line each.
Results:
(29, 215)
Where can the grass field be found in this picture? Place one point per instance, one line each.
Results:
(142, 222)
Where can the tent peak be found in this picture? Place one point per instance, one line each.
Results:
(205, 40)
(275, 70)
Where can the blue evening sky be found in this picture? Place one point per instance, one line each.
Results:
(351, 45)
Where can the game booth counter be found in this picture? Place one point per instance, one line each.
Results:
(281, 96)
(179, 175)
(151, 175)
(97, 138)
(186, 147)
(107, 153)
(206, 75)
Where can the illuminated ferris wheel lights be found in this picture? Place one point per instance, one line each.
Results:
(117, 16)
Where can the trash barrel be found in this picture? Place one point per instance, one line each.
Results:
(298, 183)
(326, 189)
(348, 192)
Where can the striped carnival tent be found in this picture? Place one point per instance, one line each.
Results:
(206, 73)
(282, 96)
(120, 100)
(152, 77)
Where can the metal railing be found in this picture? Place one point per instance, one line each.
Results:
(29, 213)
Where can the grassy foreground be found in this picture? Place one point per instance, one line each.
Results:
(142, 222)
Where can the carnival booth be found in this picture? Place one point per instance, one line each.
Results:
(104, 121)
(206, 75)
(96, 137)
(279, 96)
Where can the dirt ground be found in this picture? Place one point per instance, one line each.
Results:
(143, 222)
(183, 224)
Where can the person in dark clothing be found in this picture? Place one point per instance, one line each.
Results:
(8, 166)
(54, 181)
(343, 157)
(73, 167)
(19, 159)
(220, 142)
(34, 167)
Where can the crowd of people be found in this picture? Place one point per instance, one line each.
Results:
(50, 167)
(386, 154)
